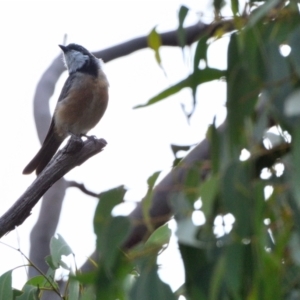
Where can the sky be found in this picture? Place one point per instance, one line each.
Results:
(138, 140)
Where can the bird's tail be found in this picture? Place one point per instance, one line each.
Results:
(42, 158)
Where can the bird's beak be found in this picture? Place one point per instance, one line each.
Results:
(63, 48)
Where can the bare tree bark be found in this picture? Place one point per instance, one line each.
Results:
(73, 154)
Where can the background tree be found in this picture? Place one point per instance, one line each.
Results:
(246, 171)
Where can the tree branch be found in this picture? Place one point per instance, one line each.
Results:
(82, 187)
(73, 154)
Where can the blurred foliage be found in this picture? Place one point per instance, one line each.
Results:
(248, 246)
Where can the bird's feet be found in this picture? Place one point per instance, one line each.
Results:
(75, 143)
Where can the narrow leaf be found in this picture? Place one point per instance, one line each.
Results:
(201, 51)
(146, 202)
(154, 42)
(208, 192)
(262, 11)
(37, 281)
(149, 286)
(59, 247)
(73, 289)
(198, 77)
(29, 293)
(5, 286)
(183, 11)
(159, 237)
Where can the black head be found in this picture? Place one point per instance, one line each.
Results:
(79, 59)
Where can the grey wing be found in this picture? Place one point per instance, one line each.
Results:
(63, 94)
(66, 88)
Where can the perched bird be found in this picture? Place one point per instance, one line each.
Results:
(81, 104)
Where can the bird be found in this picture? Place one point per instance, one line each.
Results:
(82, 103)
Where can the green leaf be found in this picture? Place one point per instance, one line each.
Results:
(242, 95)
(215, 141)
(296, 214)
(108, 201)
(16, 293)
(58, 248)
(183, 11)
(110, 231)
(209, 189)
(113, 284)
(192, 183)
(88, 294)
(294, 42)
(218, 4)
(73, 289)
(235, 7)
(198, 77)
(253, 54)
(5, 286)
(154, 42)
(37, 281)
(50, 276)
(217, 278)
(110, 239)
(29, 293)
(149, 286)
(234, 262)
(199, 265)
(262, 11)
(147, 201)
(237, 196)
(181, 206)
(49, 261)
(278, 78)
(152, 179)
(177, 148)
(159, 237)
(296, 164)
(201, 51)
(85, 278)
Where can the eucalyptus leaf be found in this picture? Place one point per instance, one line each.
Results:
(6, 286)
(262, 11)
(192, 81)
(37, 281)
(29, 293)
(148, 286)
(294, 41)
(58, 248)
(110, 239)
(159, 237)
(154, 42)
(183, 11)
(73, 289)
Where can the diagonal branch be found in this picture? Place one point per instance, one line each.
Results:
(73, 154)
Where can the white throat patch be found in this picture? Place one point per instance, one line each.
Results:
(74, 60)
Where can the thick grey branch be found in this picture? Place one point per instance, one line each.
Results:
(73, 154)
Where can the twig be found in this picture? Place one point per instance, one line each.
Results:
(81, 186)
